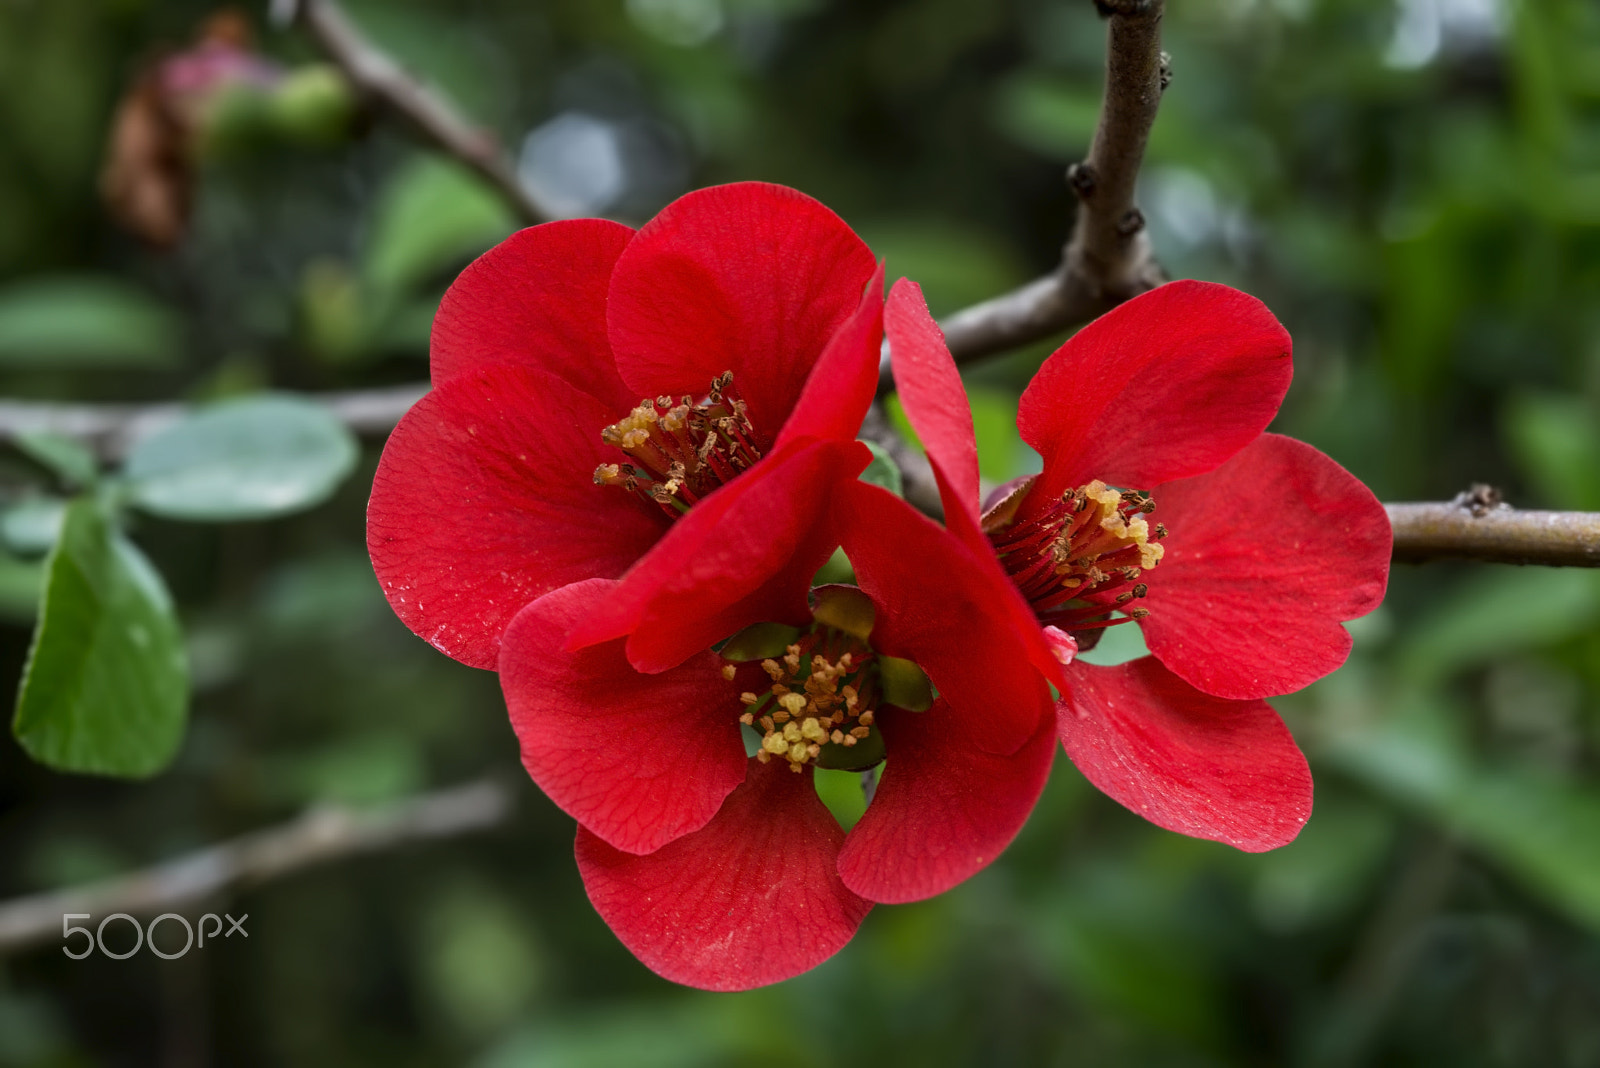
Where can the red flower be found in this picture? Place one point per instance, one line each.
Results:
(1264, 546)
(750, 313)
(727, 872)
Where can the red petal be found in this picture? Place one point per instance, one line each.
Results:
(944, 607)
(744, 555)
(537, 299)
(485, 500)
(934, 399)
(945, 808)
(1168, 385)
(752, 898)
(1186, 761)
(1266, 555)
(936, 403)
(845, 379)
(637, 759)
(750, 278)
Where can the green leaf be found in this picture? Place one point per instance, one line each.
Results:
(883, 471)
(84, 322)
(105, 690)
(1543, 831)
(32, 526)
(20, 581)
(432, 215)
(67, 458)
(1497, 611)
(1556, 441)
(252, 458)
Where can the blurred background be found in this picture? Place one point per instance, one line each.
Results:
(1413, 186)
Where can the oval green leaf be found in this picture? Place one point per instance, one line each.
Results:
(85, 321)
(253, 458)
(106, 687)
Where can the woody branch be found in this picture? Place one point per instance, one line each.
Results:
(323, 834)
(1106, 260)
(383, 82)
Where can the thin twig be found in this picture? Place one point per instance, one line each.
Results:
(1461, 529)
(1451, 530)
(323, 834)
(384, 82)
(1108, 259)
(112, 429)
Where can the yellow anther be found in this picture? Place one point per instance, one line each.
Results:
(812, 729)
(772, 669)
(1150, 554)
(837, 737)
(728, 672)
(866, 719)
(748, 719)
(748, 698)
(798, 753)
(794, 702)
(774, 744)
(791, 732)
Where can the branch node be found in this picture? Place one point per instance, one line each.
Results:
(1132, 222)
(1164, 70)
(1480, 499)
(1081, 177)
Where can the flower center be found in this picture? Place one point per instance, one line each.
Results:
(824, 691)
(681, 451)
(1080, 558)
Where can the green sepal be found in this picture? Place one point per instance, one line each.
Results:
(866, 753)
(905, 685)
(844, 608)
(759, 641)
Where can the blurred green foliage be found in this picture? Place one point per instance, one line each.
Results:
(1412, 185)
